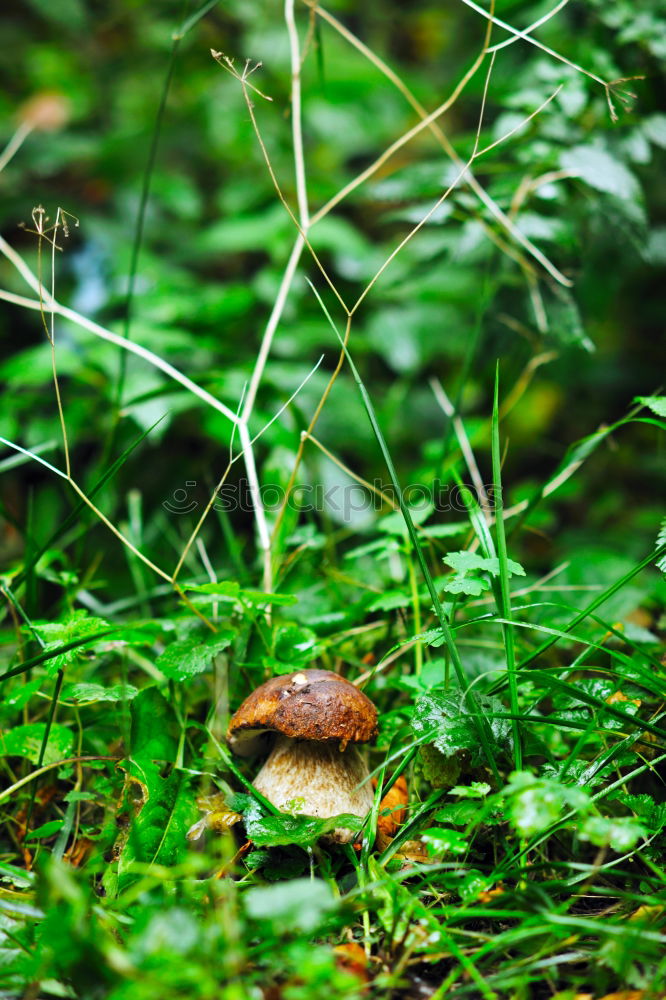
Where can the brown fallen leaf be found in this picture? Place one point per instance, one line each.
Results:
(619, 696)
(414, 851)
(626, 995)
(392, 808)
(78, 852)
(352, 958)
(621, 995)
(487, 895)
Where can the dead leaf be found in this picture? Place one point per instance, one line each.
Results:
(612, 699)
(352, 958)
(78, 852)
(488, 894)
(625, 995)
(414, 851)
(392, 808)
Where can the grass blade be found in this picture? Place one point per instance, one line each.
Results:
(505, 597)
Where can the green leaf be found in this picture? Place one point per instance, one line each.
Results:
(476, 790)
(619, 833)
(46, 830)
(602, 171)
(473, 884)
(389, 601)
(258, 598)
(440, 841)
(468, 562)
(465, 562)
(398, 908)
(655, 403)
(458, 813)
(304, 831)
(652, 814)
(185, 658)
(472, 586)
(300, 905)
(154, 730)
(295, 645)
(92, 693)
(56, 634)
(158, 834)
(444, 530)
(654, 127)
(230, 590)
(443, 719)
(565, 321)
(75, 796)
(25, 741)
(441, 770)
(277, 667)
(535, 803)
(394, 524)
(225, 590)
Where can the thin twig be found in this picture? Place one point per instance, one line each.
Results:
(15, 143)
(530, 28)
(533, 41)
(389, 501)
(498, 214)
(440, 201)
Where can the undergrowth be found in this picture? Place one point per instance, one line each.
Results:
(382, 483)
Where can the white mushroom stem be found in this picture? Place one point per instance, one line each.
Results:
(317, 779)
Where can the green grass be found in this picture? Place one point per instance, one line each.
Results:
(509, 629)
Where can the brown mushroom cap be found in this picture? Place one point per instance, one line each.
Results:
(307, 705)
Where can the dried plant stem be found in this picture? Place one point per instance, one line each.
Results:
(242, 78)
(259, 512)
(525, 35)
(46, 301)
(440, 201)
(104, 334)
(51, 336)
(532, 27)
(311, 427)
(272, 325)
(296, 126)
(385, 498)
(11, 149)
(497, 213)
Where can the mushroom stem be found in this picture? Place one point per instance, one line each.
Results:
(317, 779)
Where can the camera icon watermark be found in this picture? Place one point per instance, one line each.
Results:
(181, 500)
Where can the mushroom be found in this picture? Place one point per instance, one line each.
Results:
(314, 719)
